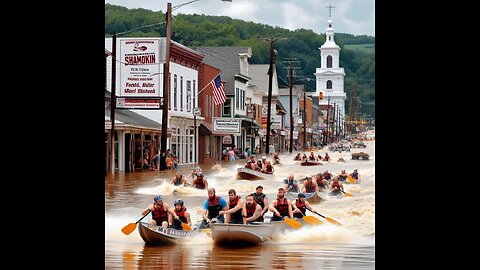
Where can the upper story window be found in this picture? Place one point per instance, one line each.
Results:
(329, 84)
(227, 108)
(239, 99)
(181, 93)
(329, 61)
(175, 92)
(189, 96)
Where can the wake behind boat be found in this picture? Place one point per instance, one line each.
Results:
(249, 174)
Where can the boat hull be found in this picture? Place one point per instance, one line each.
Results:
(249, 174)
(310, 163)
(245, 234)
(157, 235)
(313, 197)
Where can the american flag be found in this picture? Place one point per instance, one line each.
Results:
(218, 90)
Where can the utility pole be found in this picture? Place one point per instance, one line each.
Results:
(333, 122)
(113, 103)
(350, 111)
(304, 120)
(290, 72)
(166, 87)
(270, 75)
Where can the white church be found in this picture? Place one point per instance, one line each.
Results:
(330, 75)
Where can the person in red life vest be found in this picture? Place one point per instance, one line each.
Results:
(335, 186)
(253, 210)
(321, 183)
(268, 168)
(312, 156)
(297, 157)
(327, 157)
(160, 212)
(211, 209)
(259, 165)
(300, 206)
(200, 182)
(309, 186)
(281, 207)
(235, 212)
(261, 199)
(251, 165)
(326, 175)
(179, 216)
(179, 180)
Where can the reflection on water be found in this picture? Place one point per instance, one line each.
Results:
(351, 246)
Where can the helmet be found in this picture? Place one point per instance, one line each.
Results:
(178, 201)
(308, 177)
(200, 174)
(264, 157)
(301, 195)
(157, 198)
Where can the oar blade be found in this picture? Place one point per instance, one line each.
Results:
(311, 220)
(351, 180)
(333, 221)
(292, 223)
(129, 228)
(186, 227)
(348, 194)
(207, 231)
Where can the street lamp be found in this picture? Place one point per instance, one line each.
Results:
(166, 79)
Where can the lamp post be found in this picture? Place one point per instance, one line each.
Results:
(166, 79)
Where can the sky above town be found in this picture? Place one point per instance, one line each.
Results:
(355, 17)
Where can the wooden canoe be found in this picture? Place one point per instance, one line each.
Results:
(157, 235)
(245, 234)
(313, 197)
(310, 163)
(249, 174)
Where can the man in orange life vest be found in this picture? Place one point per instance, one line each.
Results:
(300, 206)
(281, 207)
(180, 216)
(253, 211)
(212, 207)
(235, 208)
(200, 182)
(160, 212)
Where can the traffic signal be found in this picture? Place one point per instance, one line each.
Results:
(320, 95)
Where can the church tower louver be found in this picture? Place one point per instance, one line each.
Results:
(330, 76)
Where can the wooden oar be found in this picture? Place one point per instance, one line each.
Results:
(292, 223)
(351, 180)
(131, 227)
(346, 193)
(331, 220)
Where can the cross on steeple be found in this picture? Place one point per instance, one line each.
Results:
(330, 7)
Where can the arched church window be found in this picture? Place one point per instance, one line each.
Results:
(329, 84)
(329, 61)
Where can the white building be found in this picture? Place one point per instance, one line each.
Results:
(330, 76)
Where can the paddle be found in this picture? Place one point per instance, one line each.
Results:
(185, 226)
(311, 220)
(331, 220)
(346, 193)
(292, 223)
(131, 227)
(351, 180)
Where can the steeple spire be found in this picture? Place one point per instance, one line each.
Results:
(330, 7)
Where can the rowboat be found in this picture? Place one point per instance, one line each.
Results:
(313, 197)
(157, 235)
(246, 234)
(310, 163)
(249, 174)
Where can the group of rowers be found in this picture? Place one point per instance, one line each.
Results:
(235, 210)
(262, 165)
(320, 182)
(312, 156)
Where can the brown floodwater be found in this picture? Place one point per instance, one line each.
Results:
(351, 246)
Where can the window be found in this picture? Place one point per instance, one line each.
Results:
(181, 93)
(189, 96)
(175, 92)
(227, 107)
(329, 84)
(329, 61)
(240, 99)
(237, 96)
(329, 38)
(195, 94)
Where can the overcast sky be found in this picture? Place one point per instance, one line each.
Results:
(355, 17)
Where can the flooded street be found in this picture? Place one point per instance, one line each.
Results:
(351, 246)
